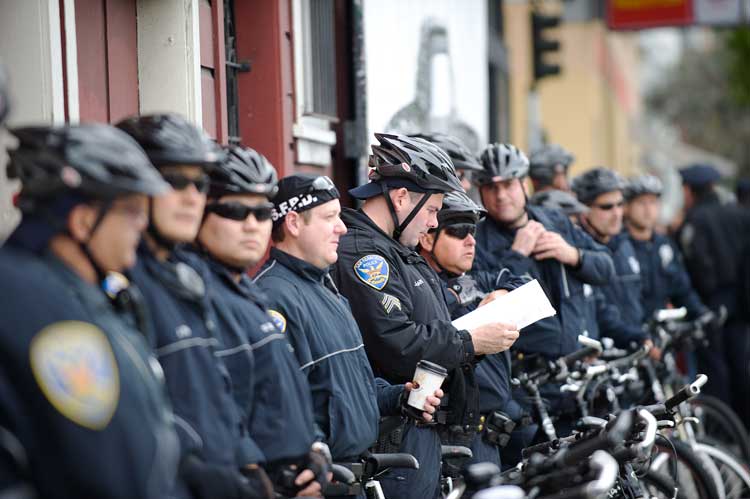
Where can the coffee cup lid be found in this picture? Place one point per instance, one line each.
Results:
(431, 366)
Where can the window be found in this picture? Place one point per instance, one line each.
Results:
(317, 58)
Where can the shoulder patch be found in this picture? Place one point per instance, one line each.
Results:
(373, 270)
(75, 368)
(278, 320)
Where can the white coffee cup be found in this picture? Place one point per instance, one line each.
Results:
(428, 377)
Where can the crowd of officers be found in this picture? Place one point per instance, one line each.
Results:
(139, 359)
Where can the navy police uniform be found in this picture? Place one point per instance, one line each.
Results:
(308, 308)
(624, 291)
(79, 388)
(398, 302)
(601, 318)
(664, 278)
(275, 395)
(558, 335)
(209, 421)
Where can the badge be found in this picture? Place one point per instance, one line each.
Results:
(666, 253)
(278, 320)
(390, 302)
(373, 270)
(587, 290)
(634, 265)
(75, 368)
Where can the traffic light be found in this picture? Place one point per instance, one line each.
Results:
(542, 46)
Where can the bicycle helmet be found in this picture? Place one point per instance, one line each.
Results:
(591, 184)
(560, 201)
(243, 171)
(169, 139)
(462, 157)
(95, 160)
(643, 184)
(547, 161)
(459, 208)
(501, 162)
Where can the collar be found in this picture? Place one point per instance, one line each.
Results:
(357, 219)
(300, 267)
(89, 293)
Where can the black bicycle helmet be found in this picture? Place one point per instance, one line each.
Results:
(243, 171)
(501, 162)
(413, 159)
(548, 160)
(459, 208)
(4, 95)
(559, 200)
(170, 139)
(462, 157)
(643, 184)
(96, 160)
(591, 184)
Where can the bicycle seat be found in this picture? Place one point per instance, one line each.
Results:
(455, 451)
(481, 475)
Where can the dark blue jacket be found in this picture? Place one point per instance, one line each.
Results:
(328, 344)
(79, 387)
(398, 302)
(557, 335)
(603, 319)
(208, 419)
(493, 371)
(273, 393)
(624, 291)
(664, 277)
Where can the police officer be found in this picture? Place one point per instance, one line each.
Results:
(601, 190)
(80, 393)
(449, 249)
(463, 159)
(398, 302)
(548, 168)
(539, 243)
(234, 236)
(219, 458)
(318, 321)
(600, 317)
(714, 241)
(663, 275)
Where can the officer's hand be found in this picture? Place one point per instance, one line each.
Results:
(653, 351)
(492, 296)
(313, 488)
(526, 237)
(493, 338)
(552, 245)
(431, 403)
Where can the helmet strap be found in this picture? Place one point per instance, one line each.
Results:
(400, 227)
(84, 245)
(153, 231)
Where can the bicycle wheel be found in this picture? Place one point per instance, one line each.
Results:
(660, 486)
(718, 421)
(734, 474)
(692, 475)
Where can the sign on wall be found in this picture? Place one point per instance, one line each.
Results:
(643, 14)
(426, 64)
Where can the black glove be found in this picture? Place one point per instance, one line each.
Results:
(259, 481)
(409, 411)
(318, 461)
(212, 481)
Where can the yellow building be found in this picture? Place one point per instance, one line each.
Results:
(592, 107)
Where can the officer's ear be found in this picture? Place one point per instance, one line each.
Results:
(81, 220)
(400, 198)
(292, 223)
(427, 241)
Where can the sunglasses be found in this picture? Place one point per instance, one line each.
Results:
(240, 212)
(181, 182)
(322, 183)
(609, 206)
(460, 231)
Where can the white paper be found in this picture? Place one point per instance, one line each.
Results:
(522, 306)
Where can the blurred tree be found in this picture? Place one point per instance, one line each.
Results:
(706, 95)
